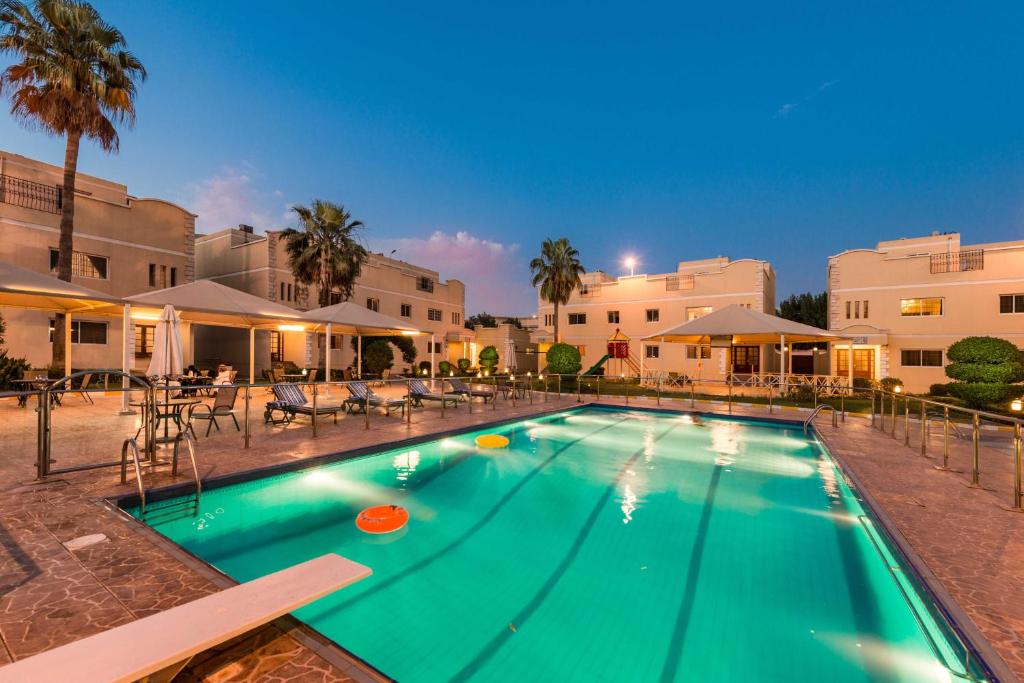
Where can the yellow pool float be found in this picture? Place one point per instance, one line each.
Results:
(491, 441)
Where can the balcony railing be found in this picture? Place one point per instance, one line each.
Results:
(958, 261)
(674, 283)
(29, 194)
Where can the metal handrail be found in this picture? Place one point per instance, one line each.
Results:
(814, 414)
(130, 445)
(184, 436)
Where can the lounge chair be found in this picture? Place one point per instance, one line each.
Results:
(223, 405)
(291, 401)
(361, 395)
(419, 393)
(463, 389)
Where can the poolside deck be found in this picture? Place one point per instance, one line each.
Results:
(51, 594)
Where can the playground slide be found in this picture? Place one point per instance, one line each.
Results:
(597, 365)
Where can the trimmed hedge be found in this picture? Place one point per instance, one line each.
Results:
(564, 359)
(939, 390)
(986, 370)
(488, 359)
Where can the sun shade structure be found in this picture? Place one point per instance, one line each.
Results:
(742, 326)
(359, 321)
(209, 303)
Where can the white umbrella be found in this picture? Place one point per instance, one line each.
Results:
(510, 354)
(167, 353)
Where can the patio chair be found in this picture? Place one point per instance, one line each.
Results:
(346, 374)
(385, 375)
(420, 393)
(291, 401)
(311, 377)
(81, 390)
(506, 388)
(223, 405)
(361, 395)
(463, 389)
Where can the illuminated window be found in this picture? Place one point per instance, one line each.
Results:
(921, 307)
(276, 347)
(694, 312)
(144, 340)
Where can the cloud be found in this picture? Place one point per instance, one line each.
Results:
(789, 107)
(495, 277)
(230, 197)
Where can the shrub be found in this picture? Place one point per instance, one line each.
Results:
(564, 359)
(464, 364)
(445, 368)
(939, 389)
(488, 359)
(861, 383)
(11, 369)
(986, 370)
(424, 367)
(378, 356)
(890, 383)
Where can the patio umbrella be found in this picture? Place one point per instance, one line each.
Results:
(167, 354)
(510, 354)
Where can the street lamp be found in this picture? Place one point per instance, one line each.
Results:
(630, 262)
(898, 389)
(1016, 405)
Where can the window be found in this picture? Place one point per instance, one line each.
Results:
(152, 275)
(425, 284)
(653, 315)
(144, 340)
(928, 358)
(456, 318)
(276, 347)
(289, 291)
(282, 292)
(82, 265)
(613, 317)
(859, 308)
(584, 289)
(848, 305)
(577, 318)
(549, 319)
(865, 302)
(693, 354)
(436, 349)
(1011, 303)
(434, 314)
(652, 351)
(405, 310)
(335, 298)
(163, 277)
(85, 332)
(694, 312)
(174, 276)
(373, 304)
(856, 309)
(921, 307)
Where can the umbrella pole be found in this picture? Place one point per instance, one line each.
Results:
(327, 361)
(252, 355)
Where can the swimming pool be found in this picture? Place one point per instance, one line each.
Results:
(602, 544)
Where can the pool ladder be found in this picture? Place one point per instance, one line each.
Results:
(130, 452)
(814, 414)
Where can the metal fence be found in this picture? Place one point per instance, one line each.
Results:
(29, 194)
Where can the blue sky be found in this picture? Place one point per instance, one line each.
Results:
(463, 134)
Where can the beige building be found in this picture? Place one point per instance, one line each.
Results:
(123, 245)
(640, 305)
(259, 264)
(905, 301)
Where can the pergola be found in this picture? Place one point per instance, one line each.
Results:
(30, 290)
(358, 321)
(736, 325)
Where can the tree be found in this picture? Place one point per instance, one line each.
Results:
(72, 77)
(403, 343)
(488, 359)
(324, 252)
(807, 308)
(557, 272)
(483, 319)
(986, 370)
(378, 356)
(564, 359)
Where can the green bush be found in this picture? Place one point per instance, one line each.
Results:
(464, 364)
(986, 370)
(890, 383)
(939, 389)
(11, 369)
(489, 359)
(445, 368)
(861, 383)
(563, 359)
(378, 356)
(424, 367)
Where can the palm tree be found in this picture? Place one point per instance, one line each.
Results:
(557, 272)
(324, 252)
(72, 77)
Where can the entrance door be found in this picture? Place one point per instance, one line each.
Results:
(863, 363)
(746, 360)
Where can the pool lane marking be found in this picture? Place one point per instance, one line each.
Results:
(481, 523)
(498, 641)
(678, 642)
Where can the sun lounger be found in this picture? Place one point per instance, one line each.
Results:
(463, 389)
(161, 645)
(361, 395)
(420, 393)
(291, 401)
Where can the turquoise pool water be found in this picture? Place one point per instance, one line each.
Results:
(602, 545)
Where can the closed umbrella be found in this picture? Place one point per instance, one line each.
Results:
(510, 354)
(167, 353)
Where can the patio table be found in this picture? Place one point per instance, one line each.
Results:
(39, 384)
(166, 411)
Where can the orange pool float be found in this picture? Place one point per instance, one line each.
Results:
(492, 441)
(382, 519)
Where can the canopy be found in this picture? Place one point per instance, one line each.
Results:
(350, 318)
(23, 288)
(742, 326)
(209, 303)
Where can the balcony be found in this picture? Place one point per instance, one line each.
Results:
(958, 261)
(674, 283)
(425, 284)
(30, 195)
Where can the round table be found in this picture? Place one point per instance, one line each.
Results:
(171, 410)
